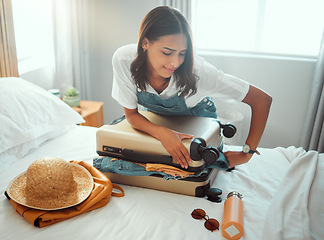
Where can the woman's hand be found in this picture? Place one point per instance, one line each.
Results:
(260, 103)
(237, 158)
(171, 141)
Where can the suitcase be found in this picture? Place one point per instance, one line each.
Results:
(121, 140)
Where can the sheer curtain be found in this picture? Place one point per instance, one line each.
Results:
(184, 6)
(71, 46)
(313, 135)
(8, 57)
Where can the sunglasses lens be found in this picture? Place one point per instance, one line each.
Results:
(212, 224)
(198, 214)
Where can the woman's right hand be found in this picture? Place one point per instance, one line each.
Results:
(171, 141)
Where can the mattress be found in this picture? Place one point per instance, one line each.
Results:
(151, 214)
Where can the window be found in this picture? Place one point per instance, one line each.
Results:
(284, 27)
(33, 33)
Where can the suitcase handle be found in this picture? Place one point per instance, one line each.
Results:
(146, 158)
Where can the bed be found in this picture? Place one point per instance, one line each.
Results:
(282, 187)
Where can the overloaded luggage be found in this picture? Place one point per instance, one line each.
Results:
(120, 140)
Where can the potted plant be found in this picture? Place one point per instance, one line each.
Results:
(72, 97)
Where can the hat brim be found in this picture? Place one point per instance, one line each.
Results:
(83, 179)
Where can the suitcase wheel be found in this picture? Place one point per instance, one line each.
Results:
(213, 194)
(229, 130)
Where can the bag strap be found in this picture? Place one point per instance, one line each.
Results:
(118, 194)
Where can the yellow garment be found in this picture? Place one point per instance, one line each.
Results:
(174, 171)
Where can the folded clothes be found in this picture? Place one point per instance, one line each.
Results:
(99, 197)
(157, 167)
(122, 167)
(151, 167)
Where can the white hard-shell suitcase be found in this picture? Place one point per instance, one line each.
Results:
(121, 140)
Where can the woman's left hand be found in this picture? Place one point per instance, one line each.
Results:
(237, 158)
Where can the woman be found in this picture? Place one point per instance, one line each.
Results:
(163, 75)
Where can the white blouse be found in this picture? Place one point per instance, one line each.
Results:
(212, 82)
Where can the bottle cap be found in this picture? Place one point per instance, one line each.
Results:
(234, 193)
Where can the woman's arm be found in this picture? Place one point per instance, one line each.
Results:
(260, 103)
(170, 139)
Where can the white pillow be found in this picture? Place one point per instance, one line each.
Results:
(30, 113)
(11, 155)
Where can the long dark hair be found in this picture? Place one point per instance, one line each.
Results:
(162, 21)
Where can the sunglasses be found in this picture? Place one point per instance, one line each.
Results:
(211, 224)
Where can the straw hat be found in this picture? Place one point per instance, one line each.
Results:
(51, 184)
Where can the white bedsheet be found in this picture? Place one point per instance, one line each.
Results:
(144, 213)
(296, 211)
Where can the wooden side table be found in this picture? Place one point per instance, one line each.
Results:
(92, 113)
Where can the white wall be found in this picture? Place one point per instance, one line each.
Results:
(113, 24)
(287, 80)
(43, 76)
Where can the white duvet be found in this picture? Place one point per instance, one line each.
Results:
(281, 188)
(297, 209)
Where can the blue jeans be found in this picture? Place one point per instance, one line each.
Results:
(131, 169)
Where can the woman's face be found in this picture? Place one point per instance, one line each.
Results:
(166, 54)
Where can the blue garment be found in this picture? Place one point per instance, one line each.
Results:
(176, 105)
(132, 169)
